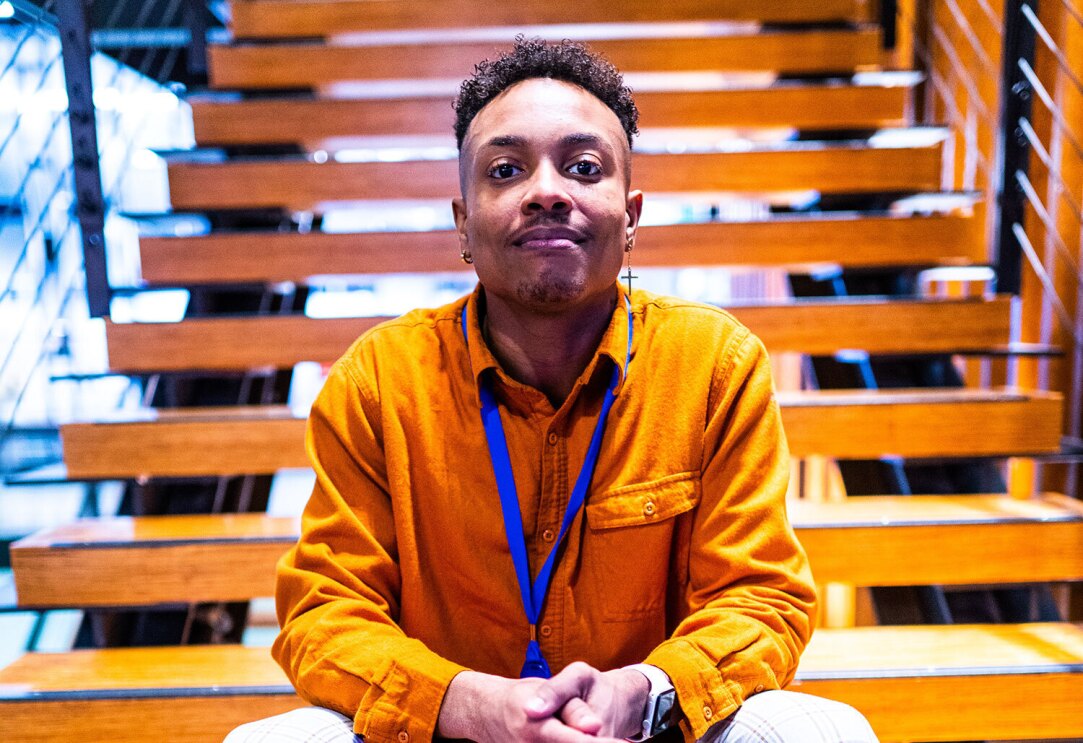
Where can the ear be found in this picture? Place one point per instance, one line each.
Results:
(458, 209)
(634, 210)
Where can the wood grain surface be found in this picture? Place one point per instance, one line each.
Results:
(867, 540)
(313, 65)
(332, 124)
(855, 424)
(807, 326)
(306, 184)
(845, 240)
(291, 18)
(949, 683)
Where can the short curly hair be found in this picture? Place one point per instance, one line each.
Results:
(532, 58)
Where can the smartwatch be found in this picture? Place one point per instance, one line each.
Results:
(661, 700)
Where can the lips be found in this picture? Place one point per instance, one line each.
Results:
(549, 237)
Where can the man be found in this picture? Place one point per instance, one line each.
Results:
(550, 474)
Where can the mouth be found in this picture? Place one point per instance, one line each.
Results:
(549, 238)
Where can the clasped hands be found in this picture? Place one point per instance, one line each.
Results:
(579, 705)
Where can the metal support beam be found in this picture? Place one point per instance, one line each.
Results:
(77, 51)
(889, 23)
(195, 17)
(1013, 149)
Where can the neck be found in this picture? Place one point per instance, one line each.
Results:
(546, 351)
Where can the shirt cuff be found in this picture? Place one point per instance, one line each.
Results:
(702, 694)
(403, 705)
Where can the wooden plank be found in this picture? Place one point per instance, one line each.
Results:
(855, 424)
(293, 19)
(916, 424)
(847, 240)
(868, 541)
(942, 540)
(302, 65)
(957, 682)
(206, 442)
(819, 327)
(304, 184)
(331, 124)
(952, 683)
(195, 694)
(152, 560)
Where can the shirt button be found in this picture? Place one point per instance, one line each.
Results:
(648, 508)
(759, 688)
(708, 713)
(548, 535)
(553, 438)
(546, 630)
(404, 736)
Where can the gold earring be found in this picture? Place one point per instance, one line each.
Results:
(465, 255)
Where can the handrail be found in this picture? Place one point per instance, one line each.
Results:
(43, 290)
(1037, 228)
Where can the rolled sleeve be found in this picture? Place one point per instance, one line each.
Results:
(338, 589)
(750, 599)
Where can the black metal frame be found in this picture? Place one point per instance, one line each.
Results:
(889, 21)
(1013, 148)
(76, 48)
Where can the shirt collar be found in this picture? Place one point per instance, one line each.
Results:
(613, 345)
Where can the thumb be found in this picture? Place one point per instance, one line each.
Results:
(554, 693)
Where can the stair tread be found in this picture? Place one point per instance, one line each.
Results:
(222, 670)
(812, 326)
(289, 18)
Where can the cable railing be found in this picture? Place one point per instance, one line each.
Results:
(1032, 170)
(77, 141)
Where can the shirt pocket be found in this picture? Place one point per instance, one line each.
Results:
(632, 543)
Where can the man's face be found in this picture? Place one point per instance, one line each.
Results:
(546, 210)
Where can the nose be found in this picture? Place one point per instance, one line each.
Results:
(546, 192)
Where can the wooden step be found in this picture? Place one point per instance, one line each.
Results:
(848, 240)
(290, 18)
(820, 327)
(308, 185)
(962, 682)
(332, 124)
(852, 424)
(942, 539)
(868, 541)
(190, 694)
(920, 423)
(307, 65)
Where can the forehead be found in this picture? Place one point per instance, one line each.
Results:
(542, 109)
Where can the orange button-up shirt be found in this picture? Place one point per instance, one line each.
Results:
(683, 556)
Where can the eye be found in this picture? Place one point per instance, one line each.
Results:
(585, 168)
(501, 171)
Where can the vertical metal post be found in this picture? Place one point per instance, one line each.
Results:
(77, 50)
(1013, 149)
(195, 18)
(889, 19)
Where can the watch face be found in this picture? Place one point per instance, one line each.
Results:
(663, 711)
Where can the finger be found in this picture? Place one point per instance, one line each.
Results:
(555, 731)
(574, 681)
(578, 714)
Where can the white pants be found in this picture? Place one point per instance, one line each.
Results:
(770, 717)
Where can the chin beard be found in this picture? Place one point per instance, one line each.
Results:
(548, 289)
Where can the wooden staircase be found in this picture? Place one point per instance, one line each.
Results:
(322, 79)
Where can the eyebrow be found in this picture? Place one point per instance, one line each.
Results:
(568, 140)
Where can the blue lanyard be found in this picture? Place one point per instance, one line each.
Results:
(534, 594)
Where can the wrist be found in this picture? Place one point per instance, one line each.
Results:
(659, 704)
(465, 698)
(635, 687)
